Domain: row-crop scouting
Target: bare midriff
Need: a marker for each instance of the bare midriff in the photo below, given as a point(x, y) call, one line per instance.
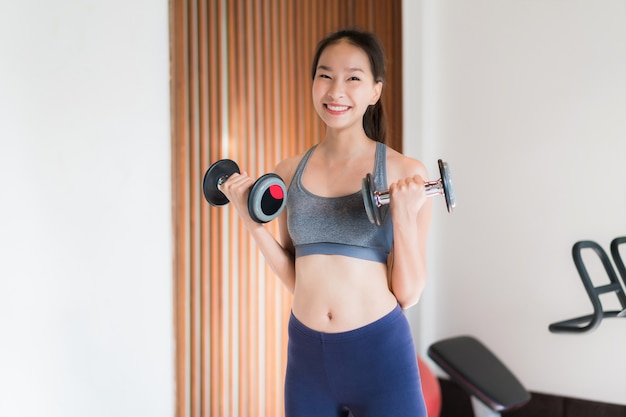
point(334, 293)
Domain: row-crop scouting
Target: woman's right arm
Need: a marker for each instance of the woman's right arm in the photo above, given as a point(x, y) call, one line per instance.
point(279, 254)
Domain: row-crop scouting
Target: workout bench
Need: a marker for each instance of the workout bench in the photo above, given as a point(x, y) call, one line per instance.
point(491, 386)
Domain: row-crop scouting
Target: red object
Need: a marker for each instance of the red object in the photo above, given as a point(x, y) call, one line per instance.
point(276, 191)
point(430, 389)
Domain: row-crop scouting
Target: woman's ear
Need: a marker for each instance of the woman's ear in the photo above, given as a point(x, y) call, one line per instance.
point(378, 89)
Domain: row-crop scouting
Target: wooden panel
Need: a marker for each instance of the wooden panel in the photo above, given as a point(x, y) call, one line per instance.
point(241, 90)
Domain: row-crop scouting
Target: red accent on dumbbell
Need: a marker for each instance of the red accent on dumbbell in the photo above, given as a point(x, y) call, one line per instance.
point(276, 192)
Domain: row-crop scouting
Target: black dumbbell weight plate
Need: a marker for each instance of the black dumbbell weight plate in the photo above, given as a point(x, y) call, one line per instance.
point(369, 200)
point(448, 190)
point(210, 185)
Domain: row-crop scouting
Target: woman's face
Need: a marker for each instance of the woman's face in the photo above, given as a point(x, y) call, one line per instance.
point(344, 86)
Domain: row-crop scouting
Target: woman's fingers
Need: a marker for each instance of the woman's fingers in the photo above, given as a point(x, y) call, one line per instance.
point(407, 196)
point(236, 189)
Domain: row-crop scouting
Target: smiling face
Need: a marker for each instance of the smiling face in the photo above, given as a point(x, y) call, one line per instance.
point(344, 86)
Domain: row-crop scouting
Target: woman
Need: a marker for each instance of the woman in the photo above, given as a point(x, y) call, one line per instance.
point(350, 347)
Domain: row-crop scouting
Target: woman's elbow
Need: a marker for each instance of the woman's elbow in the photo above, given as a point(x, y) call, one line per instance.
point(406, 302)
point(408, 299)
point(409, 296)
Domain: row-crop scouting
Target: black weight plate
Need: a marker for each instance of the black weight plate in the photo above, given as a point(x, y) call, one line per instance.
point(371, 208)
point(222, 168)
point(448, 189)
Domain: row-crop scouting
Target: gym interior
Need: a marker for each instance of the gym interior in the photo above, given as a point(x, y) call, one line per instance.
point(526, 100)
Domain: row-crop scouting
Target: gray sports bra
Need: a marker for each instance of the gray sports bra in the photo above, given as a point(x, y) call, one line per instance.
point(338, 225)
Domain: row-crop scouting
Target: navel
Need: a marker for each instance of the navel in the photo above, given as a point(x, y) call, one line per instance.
point(329, 315)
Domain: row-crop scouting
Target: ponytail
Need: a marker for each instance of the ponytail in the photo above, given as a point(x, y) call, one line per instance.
point(375, 122)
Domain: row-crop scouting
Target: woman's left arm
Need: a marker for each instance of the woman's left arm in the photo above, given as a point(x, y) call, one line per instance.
point(411, 212)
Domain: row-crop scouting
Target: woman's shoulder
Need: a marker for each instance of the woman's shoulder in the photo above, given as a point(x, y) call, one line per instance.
point(402, 166)
point(287, 167)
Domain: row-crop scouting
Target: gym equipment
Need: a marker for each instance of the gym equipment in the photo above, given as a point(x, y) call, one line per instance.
point(619, 262)
point(590, 322)
point(491, 386)
point(267, 195)
point(374, 199)
point(430, 388)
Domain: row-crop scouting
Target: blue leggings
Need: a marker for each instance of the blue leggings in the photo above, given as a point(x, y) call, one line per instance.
point(367, 372)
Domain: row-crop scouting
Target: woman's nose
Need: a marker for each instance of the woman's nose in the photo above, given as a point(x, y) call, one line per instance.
point(335, 91)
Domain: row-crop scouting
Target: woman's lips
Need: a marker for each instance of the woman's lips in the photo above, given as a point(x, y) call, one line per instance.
point(336, 108)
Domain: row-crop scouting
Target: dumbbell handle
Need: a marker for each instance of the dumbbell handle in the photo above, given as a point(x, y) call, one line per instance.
point(432, 188)
point(221, 180)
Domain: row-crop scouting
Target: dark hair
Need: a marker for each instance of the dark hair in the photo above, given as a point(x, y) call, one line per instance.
point(374, 119)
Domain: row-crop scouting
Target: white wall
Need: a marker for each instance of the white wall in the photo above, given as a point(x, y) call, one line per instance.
point(527, 102)
point(85, 218)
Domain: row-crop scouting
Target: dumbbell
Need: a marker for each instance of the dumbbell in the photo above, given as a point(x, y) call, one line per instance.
point(267, 195)
point(374, 199)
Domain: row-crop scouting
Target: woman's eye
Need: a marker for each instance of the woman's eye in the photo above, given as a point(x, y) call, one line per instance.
point(324, 76)
point(354, 79)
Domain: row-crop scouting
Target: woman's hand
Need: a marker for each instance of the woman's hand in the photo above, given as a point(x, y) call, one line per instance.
point(236, 189)
point(407, 196)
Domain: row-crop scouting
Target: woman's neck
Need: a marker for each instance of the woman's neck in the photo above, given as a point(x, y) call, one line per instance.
point(345, 144)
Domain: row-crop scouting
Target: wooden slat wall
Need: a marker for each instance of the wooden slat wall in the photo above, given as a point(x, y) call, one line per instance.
point(241, 90)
